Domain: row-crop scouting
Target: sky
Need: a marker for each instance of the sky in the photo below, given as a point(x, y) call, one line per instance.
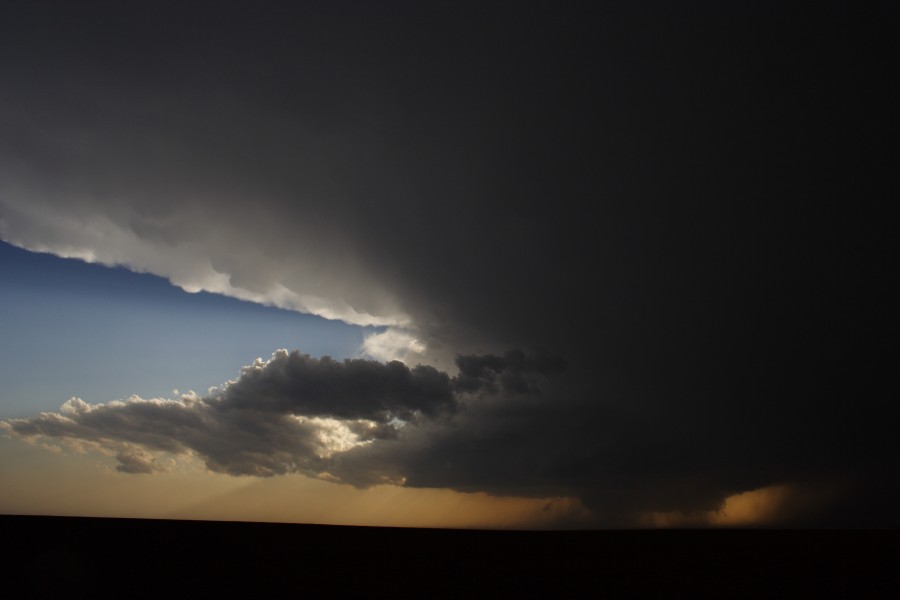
point(509, 265)
point(108, 333)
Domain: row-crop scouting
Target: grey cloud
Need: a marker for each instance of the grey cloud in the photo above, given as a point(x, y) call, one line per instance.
point(512, 371)
point(229, 441)
point(294, 383)
point(135, 462)
point(235, 442)
point(293, 413)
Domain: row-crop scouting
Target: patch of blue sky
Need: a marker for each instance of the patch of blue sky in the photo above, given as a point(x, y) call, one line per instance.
point(69, 328)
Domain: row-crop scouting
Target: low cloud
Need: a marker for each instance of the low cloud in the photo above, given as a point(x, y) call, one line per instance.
point(507, 425)
point(513, 372)
point(294, 383)
point(292, 413)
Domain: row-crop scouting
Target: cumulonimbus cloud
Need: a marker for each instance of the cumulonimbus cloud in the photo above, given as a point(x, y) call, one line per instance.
point(694, 230)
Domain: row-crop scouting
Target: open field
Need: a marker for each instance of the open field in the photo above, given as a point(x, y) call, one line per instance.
point(84, 557)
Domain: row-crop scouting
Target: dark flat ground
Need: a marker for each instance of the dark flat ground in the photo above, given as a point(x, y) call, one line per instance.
point(88, 558)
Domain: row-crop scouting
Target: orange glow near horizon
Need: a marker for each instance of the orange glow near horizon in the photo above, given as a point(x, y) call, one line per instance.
point(766, 506)
point(38, 482)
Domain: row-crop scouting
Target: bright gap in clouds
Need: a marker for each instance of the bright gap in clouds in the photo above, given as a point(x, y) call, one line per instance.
point(75, 329)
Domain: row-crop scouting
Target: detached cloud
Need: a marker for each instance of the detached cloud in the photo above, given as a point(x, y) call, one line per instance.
point(393, 344)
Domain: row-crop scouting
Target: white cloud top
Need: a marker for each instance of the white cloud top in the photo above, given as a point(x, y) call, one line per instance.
point(200, 250)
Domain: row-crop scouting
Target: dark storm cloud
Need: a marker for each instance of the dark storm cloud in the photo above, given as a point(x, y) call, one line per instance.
point(289, 414)
point(351, 389)
point(684, 206)
point(512, 371)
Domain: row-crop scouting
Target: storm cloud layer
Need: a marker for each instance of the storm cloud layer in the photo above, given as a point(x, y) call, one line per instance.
point(686, 207)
